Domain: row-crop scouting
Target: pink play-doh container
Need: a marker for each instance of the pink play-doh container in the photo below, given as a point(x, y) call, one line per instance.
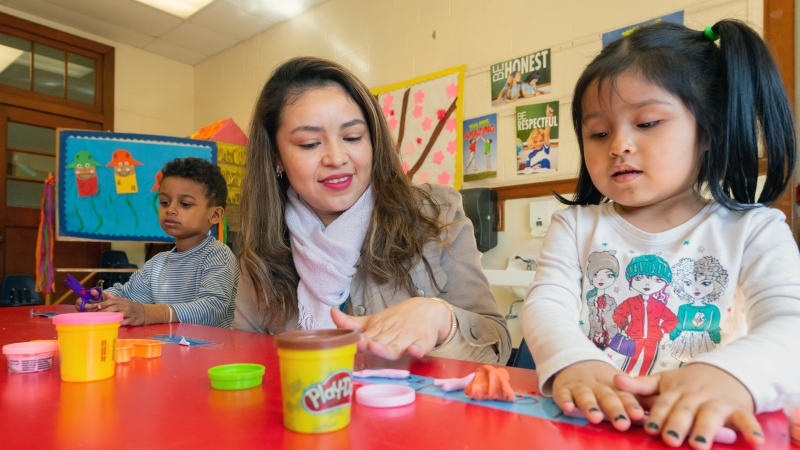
point(26, 357)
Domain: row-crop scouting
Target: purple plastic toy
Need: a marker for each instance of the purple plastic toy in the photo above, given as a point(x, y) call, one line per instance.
point(82, 292)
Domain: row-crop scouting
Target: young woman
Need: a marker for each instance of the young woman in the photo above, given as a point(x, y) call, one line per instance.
point(334, 234)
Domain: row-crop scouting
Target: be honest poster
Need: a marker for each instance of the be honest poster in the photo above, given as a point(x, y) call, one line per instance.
point(480, 148)
point(520, 78)
point(537, 138)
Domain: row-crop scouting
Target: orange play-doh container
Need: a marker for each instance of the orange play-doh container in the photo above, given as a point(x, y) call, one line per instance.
point(124, 352)
point(143, 348)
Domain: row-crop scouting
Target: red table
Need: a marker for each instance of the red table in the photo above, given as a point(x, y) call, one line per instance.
point(167, 402)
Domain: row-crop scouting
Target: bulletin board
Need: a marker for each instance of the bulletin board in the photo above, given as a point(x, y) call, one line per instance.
point(425, 115)
point(107, 183)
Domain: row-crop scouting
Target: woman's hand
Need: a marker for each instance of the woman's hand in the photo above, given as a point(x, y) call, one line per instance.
point(412, 327)
point(589, 387)
point(132, 312)
point(698, 397)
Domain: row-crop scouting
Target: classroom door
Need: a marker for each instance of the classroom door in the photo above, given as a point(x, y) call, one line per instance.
point(27, 151)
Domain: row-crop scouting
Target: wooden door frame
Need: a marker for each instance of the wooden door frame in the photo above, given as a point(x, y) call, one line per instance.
point(779, 30)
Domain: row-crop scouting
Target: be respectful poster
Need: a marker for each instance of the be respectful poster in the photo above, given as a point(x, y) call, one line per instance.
point(480, 148)
point(519, 78)
point(537, 138)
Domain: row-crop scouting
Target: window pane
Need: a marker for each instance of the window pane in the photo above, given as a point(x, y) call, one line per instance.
point(48, 70)
point(24, 193)
point(15, 61)
point(31, 137)
point(28, 165)
point(81, 73)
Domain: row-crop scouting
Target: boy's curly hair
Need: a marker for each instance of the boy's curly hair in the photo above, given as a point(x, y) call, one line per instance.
point(200, 171)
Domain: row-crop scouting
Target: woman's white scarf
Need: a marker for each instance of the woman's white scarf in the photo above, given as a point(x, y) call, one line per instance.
point(325, 257)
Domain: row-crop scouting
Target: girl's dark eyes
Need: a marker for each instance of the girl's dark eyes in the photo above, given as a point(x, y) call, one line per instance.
point(600, 135)
point(649, 124)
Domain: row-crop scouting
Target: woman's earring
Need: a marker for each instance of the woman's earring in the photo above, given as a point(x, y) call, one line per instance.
point(278, 171)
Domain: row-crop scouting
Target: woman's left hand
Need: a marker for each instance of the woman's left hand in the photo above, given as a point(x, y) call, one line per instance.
point(412, 327)
point(698, 398)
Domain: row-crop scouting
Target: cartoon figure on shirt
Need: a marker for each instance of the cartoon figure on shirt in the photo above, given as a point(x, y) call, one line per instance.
point(539, 142)
point(645, 318)
point(602, 270)
point(698, 283)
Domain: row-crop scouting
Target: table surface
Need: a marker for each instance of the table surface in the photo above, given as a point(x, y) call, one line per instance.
point(167, 402)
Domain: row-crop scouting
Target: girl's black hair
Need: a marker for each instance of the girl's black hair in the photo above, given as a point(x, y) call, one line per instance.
point(734, 92)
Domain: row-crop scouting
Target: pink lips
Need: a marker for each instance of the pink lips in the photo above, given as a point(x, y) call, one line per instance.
point(623, 173)
point(338, 182)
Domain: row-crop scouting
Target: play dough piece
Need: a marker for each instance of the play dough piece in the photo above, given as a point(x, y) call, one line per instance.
point(381, 373)
point(453, 384)
point(490, 383)
point(385, 395)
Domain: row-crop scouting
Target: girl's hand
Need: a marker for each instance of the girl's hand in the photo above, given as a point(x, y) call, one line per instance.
point(412, 327)
point(132, 312)
point(698, 397)
point(589, 386)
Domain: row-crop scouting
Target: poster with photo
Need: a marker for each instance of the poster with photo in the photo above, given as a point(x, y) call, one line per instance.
point(520, 78)
point(480, 148)
point(537, 138)
point(611, 36)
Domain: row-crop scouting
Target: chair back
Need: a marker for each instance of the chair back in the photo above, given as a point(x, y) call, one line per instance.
point(19, 290)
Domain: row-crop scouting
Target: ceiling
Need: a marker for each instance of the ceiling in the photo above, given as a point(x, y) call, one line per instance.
point(217, 27)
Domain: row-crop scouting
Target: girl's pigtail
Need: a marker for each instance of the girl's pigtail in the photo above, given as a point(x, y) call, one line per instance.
point(754, 110)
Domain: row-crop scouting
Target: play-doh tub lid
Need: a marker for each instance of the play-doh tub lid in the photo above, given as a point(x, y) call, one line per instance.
point(316, 339)
point(29, 348)
point(87, 318)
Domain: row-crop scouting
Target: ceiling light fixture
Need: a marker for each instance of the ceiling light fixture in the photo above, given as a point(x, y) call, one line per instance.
point(180, 8)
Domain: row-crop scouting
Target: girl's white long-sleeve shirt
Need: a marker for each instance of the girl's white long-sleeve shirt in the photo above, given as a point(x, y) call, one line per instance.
point(721, 289)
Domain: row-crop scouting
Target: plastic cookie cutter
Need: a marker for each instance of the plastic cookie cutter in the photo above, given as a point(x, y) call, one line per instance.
point(83, 293)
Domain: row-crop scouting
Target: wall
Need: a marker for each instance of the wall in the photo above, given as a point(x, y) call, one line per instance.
point(386, 41)
point(152, 95)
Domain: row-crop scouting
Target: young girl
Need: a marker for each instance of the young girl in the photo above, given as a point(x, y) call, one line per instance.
point(662, 115)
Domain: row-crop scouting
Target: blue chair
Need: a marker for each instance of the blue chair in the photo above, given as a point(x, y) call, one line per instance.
point(524, 359)
point(20, 290)
point(114, 259)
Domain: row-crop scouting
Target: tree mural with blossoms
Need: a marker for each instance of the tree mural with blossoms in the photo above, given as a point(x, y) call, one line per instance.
point(425, 117)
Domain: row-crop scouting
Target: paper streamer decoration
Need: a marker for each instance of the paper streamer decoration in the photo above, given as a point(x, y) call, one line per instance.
point(425, 115)
point(45, 281)
point(121, 210)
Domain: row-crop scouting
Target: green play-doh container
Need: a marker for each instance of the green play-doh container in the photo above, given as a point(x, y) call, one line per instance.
point(231, 377)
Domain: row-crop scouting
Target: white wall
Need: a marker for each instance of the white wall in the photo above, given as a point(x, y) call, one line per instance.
point(152, 95)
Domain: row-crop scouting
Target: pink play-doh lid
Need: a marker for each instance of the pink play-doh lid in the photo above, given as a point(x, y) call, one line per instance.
point(29, 348)
point(385, 395)
point(87, 318)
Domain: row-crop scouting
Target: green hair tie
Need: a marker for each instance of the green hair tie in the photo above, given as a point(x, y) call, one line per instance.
point(710, 34)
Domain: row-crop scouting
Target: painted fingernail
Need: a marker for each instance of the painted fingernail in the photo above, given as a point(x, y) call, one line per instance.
point(593, 409)
point(636, 407)
point(652, 426)
point(620, 417)
point(756, 433)
point(700, 439)
point(673, 434)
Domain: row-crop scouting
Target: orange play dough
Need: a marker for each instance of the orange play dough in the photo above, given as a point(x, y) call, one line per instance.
point(490, 383)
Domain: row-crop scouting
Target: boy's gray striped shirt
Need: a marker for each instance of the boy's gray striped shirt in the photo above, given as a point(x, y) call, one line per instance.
point(199, 284)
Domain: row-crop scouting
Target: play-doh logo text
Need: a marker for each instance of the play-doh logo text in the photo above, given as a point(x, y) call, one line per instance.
point(332, 393)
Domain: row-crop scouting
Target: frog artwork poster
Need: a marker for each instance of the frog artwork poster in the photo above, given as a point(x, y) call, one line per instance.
point(537, 138)
point(480, 148)
point(528, 76)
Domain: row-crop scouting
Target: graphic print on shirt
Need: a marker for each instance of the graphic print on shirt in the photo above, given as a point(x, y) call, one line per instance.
point(602, 270)
point(645, 318)
point(698, 330)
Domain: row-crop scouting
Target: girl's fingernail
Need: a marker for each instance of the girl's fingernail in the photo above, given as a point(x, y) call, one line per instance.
point(620, 417)
point(593, 409)
point(636, 407)
point(700, 439)
point(652, 426)
point(673, 434)
point(756, 433)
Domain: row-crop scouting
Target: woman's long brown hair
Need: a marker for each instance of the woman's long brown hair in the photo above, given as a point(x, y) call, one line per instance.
point(399, 227)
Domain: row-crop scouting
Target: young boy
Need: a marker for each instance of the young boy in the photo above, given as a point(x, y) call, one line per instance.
point(196, 281)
